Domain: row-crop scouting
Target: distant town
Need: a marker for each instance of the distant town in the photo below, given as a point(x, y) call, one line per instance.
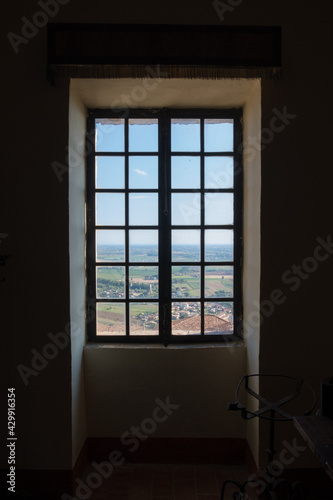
point(143, 283)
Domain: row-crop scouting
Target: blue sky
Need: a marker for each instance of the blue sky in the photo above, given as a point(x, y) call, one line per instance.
point(143, 174)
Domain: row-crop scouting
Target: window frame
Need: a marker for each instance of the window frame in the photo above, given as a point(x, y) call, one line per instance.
point(164, 226)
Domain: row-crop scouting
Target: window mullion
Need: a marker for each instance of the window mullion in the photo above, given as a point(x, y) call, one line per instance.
point(127, 307)
point(164, 227)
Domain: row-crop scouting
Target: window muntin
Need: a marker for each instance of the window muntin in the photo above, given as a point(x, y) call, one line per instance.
point(164, 226)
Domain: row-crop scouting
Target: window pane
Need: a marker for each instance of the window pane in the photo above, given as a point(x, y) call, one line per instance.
point(144, 318)
point(219, 208)
point(185, 281)
point(219, 318)
point(185, 209)
point(143, 209)
point(186, 245)
point(110, 209)
point(219, 281)
point(219, 135)
point(143, 246)
point(143, 134)
point(110, 318)
point(110, 245)
point(110, 172)
point(219, 245)
point(185, 134)
point(110, 134)
point(219, 172)
point(186, 318)
point(143, 172)
point(185, 172)
point(143, 282)
point(110, 282)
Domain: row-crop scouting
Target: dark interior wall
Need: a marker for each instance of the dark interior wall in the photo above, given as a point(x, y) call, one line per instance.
point(296, 204)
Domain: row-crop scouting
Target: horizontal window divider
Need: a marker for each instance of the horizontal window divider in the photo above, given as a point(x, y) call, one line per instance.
point(143, 227)
point(219, 299)
point(219, 263)
point(110, 190)
point(218, 190)
point(199, 301)
point(124, 190)
point(219, 226)
point(219, 153)
point(137, 190)
point(145, 264)
point(126, 153)
point(120, 263)
point(202, 190)
point(122, 228)
point(184, 190)
point(109, 153)
point(125, 300)
point(206, 226)
point(202, 153)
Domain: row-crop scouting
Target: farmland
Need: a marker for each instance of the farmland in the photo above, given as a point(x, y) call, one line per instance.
point(143, 284)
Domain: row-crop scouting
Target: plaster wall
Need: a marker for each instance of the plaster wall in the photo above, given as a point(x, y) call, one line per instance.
point(139, 375)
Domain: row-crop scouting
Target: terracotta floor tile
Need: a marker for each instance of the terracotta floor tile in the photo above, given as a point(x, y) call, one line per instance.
point(169, 482)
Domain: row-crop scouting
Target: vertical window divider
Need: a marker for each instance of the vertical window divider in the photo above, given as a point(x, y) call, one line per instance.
point(164, 226)
point(126, 166)
point(202, 224)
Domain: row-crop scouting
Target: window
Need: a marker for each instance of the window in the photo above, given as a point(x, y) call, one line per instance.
point(164, 226)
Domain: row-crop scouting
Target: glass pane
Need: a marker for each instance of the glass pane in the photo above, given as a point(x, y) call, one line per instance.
point(110, 172)
point(219, 245)
point(143, 172)
point(144, 318)
point(219, 172)
point(186, 318)
point(186, 245)
point(143, 282)
point(185, 134)
point(185, 209)
point(219, 318)
point(110, 209)
point(219, 208)
point(143, 245)
point(185, 172)
point(110, 319)
point(143, 209)
point(219, 135)
point(110, 282)
point(143, 134)
point(110, 134)
point(219, 281)
point(185, 281)
point(110, 245)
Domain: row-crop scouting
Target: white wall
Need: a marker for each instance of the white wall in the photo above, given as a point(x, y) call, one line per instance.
point(76, 162)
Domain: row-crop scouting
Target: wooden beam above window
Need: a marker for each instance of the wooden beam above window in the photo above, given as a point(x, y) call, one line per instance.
point(168, 51)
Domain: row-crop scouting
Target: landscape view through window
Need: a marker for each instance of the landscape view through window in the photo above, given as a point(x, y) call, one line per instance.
point(163, 230)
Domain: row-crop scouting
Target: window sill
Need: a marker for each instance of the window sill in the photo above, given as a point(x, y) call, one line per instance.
point(221, 345)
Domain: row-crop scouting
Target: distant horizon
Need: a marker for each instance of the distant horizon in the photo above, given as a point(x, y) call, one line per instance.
point(175, 245)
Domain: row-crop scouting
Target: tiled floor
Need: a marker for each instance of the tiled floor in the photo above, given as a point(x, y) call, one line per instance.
point(165, 482)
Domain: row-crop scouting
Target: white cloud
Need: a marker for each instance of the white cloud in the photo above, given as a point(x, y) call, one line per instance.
point(140, 172)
